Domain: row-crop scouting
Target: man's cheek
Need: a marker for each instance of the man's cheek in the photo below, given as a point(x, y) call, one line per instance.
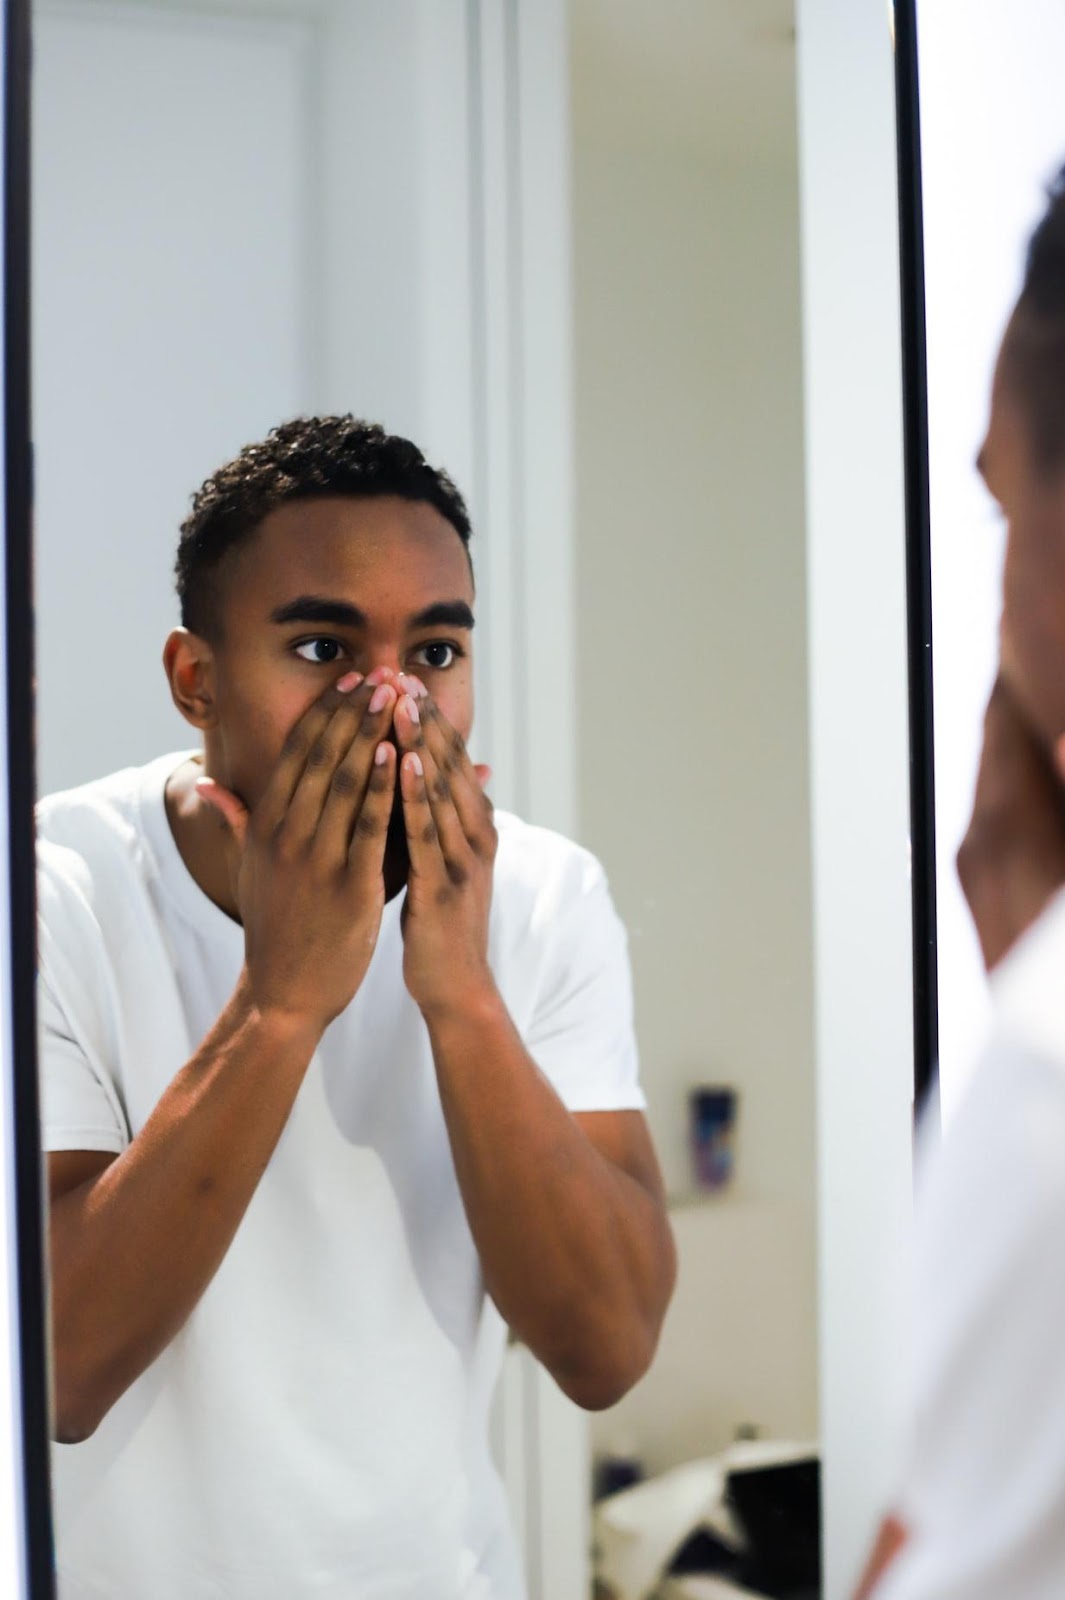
point(253, 748)
point(456, 706)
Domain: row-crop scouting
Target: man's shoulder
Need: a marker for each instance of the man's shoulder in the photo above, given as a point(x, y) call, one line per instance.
point(104, 802)
point(91, 833)
point(539, 861)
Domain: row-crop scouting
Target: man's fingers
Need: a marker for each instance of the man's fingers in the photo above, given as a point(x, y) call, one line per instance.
point(232, 811)
point(448, 751)
point(423, 844)
point(328, 781)
point(300, 740)
point(366, 854)
point(1059, 758)
point(453, 844)
point(349, 783)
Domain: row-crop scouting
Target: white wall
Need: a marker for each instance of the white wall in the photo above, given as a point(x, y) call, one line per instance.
point(368, 212)
point(170, 326)
point(992, 134)
point(693, 737)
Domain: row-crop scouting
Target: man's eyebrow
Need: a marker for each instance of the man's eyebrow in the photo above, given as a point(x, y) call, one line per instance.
point(319, 608)
point(981, 462)
point(443, 614)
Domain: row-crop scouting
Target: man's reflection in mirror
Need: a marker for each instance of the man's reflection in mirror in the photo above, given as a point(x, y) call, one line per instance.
point(980, 1510)
point(338, 1072)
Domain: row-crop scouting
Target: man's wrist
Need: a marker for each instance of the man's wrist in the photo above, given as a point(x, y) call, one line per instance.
point(476, 1003)
point(278, 1026)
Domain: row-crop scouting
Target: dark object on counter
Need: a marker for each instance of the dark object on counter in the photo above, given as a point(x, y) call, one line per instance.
point(614, 1473)
point(712, 1118)
point(778, 1511)
point(704, 1553)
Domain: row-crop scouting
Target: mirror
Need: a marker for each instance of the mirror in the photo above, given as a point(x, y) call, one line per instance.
point(243, 213)
point(980, 231)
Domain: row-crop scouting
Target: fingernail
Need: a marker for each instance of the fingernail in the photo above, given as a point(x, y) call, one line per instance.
point(380, 755)
point(414, 686)
point(379, 675)
point(349, 681)
point(411, 708)
point(380, 698)
point(416, 764)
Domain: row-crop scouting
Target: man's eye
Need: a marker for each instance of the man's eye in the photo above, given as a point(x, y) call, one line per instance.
point(438, 655)
point(320, 651)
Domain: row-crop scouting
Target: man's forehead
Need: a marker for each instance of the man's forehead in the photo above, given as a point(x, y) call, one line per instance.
point(359, 550)
point(362, 516)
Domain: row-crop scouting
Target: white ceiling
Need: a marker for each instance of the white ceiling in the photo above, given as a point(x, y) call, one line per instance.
point(706, 80)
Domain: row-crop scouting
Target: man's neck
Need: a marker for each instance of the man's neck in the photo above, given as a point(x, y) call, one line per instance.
point(202, 838)
point(206, 847)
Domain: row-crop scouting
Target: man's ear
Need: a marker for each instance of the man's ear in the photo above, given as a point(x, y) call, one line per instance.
point(189, 664)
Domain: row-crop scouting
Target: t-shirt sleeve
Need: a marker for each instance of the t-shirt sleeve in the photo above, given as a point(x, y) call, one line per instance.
point(581, 1034)
point(79, 1108)
point(984, 1482)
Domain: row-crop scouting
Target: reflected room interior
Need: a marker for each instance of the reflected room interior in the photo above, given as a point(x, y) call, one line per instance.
point(209, 259)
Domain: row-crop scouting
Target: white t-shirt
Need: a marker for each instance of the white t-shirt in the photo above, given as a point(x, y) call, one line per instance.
point(984, 1487)
point(319, 1426)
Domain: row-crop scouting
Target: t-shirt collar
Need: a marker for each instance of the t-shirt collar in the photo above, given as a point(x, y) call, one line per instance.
point(174, 878)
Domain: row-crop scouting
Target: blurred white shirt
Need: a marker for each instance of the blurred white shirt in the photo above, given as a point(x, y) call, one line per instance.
point(983, 1491)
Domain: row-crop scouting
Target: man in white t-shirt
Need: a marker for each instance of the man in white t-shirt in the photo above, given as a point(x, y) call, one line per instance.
point(981, 1511)
point(338, 1072)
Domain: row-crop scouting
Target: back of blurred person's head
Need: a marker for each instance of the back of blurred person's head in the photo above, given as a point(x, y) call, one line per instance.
point(1023, 463)
point(1034, 349)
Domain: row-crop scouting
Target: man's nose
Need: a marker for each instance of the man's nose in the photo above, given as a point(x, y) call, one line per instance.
point(405, 682)
point(383, 670)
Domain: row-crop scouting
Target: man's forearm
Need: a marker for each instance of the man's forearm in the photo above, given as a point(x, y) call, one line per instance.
point(133, 1249)
point(576, 1253)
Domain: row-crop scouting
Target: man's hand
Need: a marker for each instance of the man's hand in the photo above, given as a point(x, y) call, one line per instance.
point(890, 1541)
point(451, 839)
point(308, 861)
point(1012, 858)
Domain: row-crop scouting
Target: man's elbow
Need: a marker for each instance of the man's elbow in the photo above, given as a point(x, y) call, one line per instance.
point(73, 1420)
point(606, 1373)
point(80, 1400)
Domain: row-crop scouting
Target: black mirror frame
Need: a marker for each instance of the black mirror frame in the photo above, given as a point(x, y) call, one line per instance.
point(918, 555)
point(32, 1401)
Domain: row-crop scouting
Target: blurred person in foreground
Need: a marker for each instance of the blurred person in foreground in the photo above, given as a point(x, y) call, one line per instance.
point(339, 1076)
point(981, 1511)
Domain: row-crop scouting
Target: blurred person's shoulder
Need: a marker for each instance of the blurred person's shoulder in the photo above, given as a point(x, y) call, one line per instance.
point(992, 1180)
point(1028, 991)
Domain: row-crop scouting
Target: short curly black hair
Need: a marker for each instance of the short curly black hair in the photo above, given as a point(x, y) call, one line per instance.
point(304, 459)
point(1035, 347)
